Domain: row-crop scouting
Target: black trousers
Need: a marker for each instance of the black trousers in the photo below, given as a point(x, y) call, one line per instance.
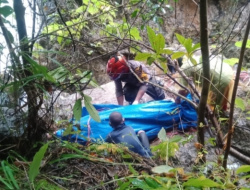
point(130, 91)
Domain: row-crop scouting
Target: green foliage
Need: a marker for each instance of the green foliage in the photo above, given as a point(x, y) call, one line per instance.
point(167, 147)
point(162, 169)
point(201, 182)
point(231, 61)
point(157, 43)
point(187, 43)
point(239, 103)
point(91, 109)
point(36, 163)
point(239, 44)
point(9, 181)
point(77, 109)
point(6, 11)
point(79, 21)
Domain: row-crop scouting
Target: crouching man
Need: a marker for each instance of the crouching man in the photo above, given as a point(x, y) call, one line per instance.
point(126, 135)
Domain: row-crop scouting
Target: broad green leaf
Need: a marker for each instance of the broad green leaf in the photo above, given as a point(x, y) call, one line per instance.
point(193, 61)
point(39, 69)
point(152, 183)
point(167, 51)
point(162, 135)
point(135, 33)
point(91, 109)
point(161, 169)
point(77, 109)
point(36, 163)
point(164, 66)
point(178, 55)
point(150, 60)
point(231, 61)
point(248, 118)
point(60, 39)
point(134, 14)
point(201, 182)
point(239, 44)
point(140, 184)
point(196, 46)
point(188, 45)
point(151, 36)
point(243, 168)
point(124, 186)
point(239, 103)
point(142, 56)
point(180, 38)
point(92, 10)
point(6, 11)
point(159, 43)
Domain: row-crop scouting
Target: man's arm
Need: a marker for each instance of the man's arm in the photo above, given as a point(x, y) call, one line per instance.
point(120, 100)
point(139, 96)
point(119, 92)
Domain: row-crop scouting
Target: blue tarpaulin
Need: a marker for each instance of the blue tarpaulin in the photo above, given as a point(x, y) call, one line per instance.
point(150, 117)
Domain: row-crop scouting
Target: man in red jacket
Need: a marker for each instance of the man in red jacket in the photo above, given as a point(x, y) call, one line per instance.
point(133, 90)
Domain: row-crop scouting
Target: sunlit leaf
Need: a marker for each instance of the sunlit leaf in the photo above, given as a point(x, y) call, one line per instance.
point(239, 44)
point(243, 168)
point(188, 45)
point(196, 46)
point(164, 66)
point(231, 61)
point(161, 169)
point(142, 56)
point(159, 43)
point(135, 33)
point(36, 163)
point(151, 36)
point(180, 38)
point(201, 182)
point(239, 103)
point(167, 51)
point(178, 55)
point(193, 61)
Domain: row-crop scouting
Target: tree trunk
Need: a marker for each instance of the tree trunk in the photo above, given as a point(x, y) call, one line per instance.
point(34, 96)
point(206, 74)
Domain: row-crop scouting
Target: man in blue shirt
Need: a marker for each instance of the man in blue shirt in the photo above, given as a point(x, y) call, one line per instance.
point(126, 135)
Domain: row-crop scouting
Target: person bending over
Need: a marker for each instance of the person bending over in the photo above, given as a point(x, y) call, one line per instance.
point(126, 135)
point(133, 90)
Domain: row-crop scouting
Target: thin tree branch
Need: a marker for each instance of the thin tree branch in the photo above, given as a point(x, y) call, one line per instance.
point(237, 78)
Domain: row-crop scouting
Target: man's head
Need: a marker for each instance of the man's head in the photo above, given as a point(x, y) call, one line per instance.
point(116, 66)
point(115, 119)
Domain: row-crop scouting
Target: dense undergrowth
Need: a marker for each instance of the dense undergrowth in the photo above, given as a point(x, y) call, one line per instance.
point(66, 165)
